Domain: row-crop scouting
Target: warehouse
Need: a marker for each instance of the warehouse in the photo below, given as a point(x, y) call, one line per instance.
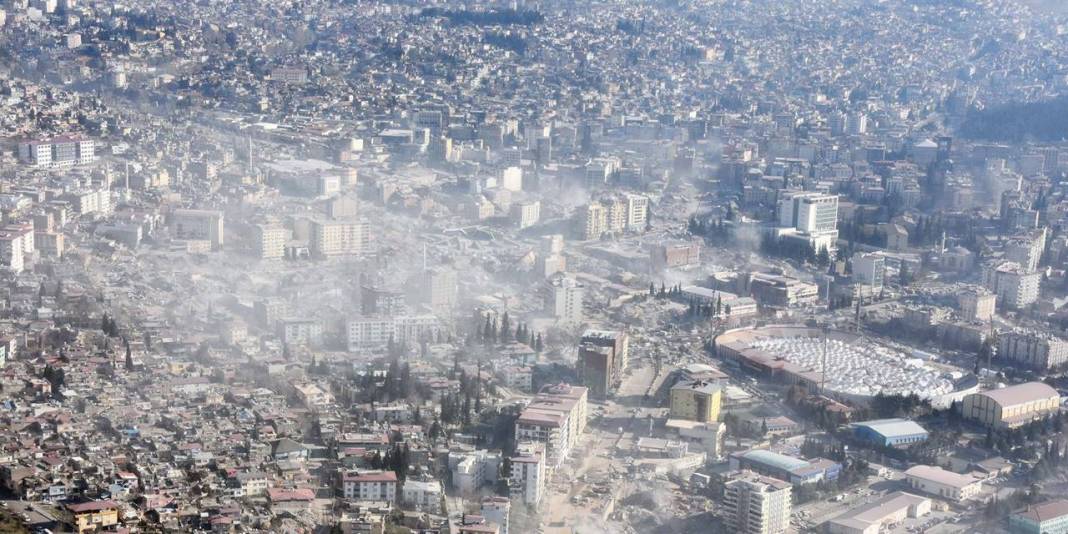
point(946, 484)
point(1013, 406)
point(890, 432)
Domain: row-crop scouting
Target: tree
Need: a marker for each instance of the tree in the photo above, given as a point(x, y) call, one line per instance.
point(129, 355)
point(506, 329)
point(538, 346)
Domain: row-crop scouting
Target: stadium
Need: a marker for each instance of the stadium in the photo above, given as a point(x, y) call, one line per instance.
point(857, 367)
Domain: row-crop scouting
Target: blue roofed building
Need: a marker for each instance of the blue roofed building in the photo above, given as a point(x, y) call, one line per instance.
point(783, 467)
point(890, 432)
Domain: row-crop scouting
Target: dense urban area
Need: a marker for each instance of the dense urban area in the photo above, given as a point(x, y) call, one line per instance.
point(534, 267)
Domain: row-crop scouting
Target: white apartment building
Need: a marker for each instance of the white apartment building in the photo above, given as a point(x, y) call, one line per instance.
point(1036, 350)
point(564, 301)
point(64, 151)
point(1015, 287)
point(755, 504)
point(375, 486)
point(526, 214)
point(977, 305)
point(297, 331)
point(368, 332)
point(473, 470)
point(340, 238)
point(423, 495)
point(869, 269)
point(270, 241)
point(526, 482)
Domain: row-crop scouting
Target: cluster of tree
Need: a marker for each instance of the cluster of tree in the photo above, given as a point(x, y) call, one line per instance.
point(109, 326)
point(398, 384)
point(998, 508)
point(629, 27)
point(665, 292)
point(715, 231)
point(456, 407)
point(493, 17)
point(853, 233)
point(1027, 441)
point(506, 41)
point(55, 376)
point(929, 230)
point(1045, 121)
point(886, 406)
point(799, 398)
point(713, 309)
point(796, 250)
point(494, 332)
point(396, 459)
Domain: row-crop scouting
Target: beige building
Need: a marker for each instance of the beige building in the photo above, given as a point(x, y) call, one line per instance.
point(1012, 406)
point(977, 305)
point(945, 484)
point(340, 238)
point(871, 518)
point(270, 241)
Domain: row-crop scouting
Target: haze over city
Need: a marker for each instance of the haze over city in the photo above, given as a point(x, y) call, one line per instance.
point(534, 267)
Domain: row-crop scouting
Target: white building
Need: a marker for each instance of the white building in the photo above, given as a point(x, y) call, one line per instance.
point(375, 486)
point(496, 510)
point(526, 214)
point(809, 217)
point(424, 496)
point(565, 300)
point(270, 241)
point(369, 332)
point(301, 331)
point(1015, 287)
point(945, 484)
point(526, 482)
point(198, 224)
point(869, 269)
point(755, 504)
point(64, 151)
point(1036, 350)
point(473, 470)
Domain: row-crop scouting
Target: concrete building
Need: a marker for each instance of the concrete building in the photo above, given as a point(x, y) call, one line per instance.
point(945, 484)
point(92, 516)
point(557, 418)
point(474, 470)
point(527, 480)
point(440, 289)
point(423, 495)
point(1050, 517)
point(206, 225)
point(977, 305)
point(270, 241)
point(1012, 406)
point(526, 214)
point(297, 331)
point(809, 217)
point(869, 269)
point(340, 238)
point(753, 504)
point(592, 221)
point(59, 152)
point(603, 356)
point(1035, 350)
point(1015, 287)
point(670, 255)
point(370, 332)
point(890, 432)
point(872, 518)
point(696, 401)
point(564, 300)
point(496, 510)
point(377, 486)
